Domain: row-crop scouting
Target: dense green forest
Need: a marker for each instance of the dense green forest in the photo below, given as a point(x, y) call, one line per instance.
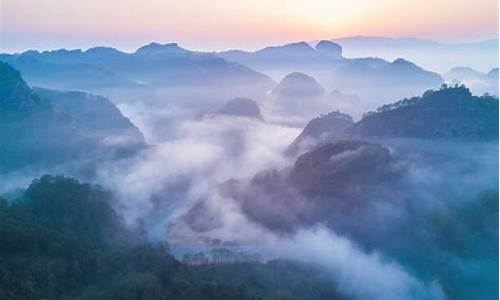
point(62, 240)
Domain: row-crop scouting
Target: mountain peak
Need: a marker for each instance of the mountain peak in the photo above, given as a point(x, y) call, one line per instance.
point(10, 79)
point(30, 53)
point(157, 48)
point(329, 48)
point(300, 85)
point(327, 127)
point(63, 51)
point(402, 61)
point(102, 51)
point(243, 107)
point(404, 65)
point(15, 94)
point(298, 76)
point(463, 73)
point(493, 73)
point(297, 47)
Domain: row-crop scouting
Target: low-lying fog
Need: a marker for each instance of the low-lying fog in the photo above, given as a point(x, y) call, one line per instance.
point(177, 189)
point(388, 218)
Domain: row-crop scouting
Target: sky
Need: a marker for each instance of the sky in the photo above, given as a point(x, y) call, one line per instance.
point(244, 24)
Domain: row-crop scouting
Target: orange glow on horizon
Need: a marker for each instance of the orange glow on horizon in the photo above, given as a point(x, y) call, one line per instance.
point(220, 24)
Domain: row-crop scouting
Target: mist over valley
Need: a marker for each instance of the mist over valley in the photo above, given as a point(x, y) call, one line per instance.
point(351, 168)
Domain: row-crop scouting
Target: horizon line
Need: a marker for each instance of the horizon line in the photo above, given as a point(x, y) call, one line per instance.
point(249, 49)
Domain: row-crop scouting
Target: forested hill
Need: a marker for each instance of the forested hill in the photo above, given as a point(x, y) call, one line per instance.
point(63, 240)
point(45, 128)
point(446, 113)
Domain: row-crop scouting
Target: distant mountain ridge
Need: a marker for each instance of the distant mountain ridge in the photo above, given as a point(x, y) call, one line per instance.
point(231, 73)
point(152, 64)
point(289, 54)
point(398, 72)
point(381, 41)
point(327, 63)
point(477, 81)
point(430, 54)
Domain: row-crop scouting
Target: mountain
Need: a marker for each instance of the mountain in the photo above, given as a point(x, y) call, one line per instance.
point(62, 69)
point(297, 98)
point(42, 128)
point(153, 64)
point(28, 123)
point(328, 127)
point(377, 81)
point(413, 202)
point(331, 169)
point(292, 54)
point(493, 73)
point(293, 50)
point(171, 64)
point(286, 54)
point(346, 102)
point(325, 57)
point(331, 179)
point(451, 112)
point(15, 95)
point(399, 73)
point(298, 85)
point(377, 42)
point(161, 50)
point(327, 63)
point(448, 113)
point(70, 230)
point(478, 82)
point(329, 50)
point(463, 73)
point(277, 61)
point(427, 53)
point(242, 107)
point(96, 113)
